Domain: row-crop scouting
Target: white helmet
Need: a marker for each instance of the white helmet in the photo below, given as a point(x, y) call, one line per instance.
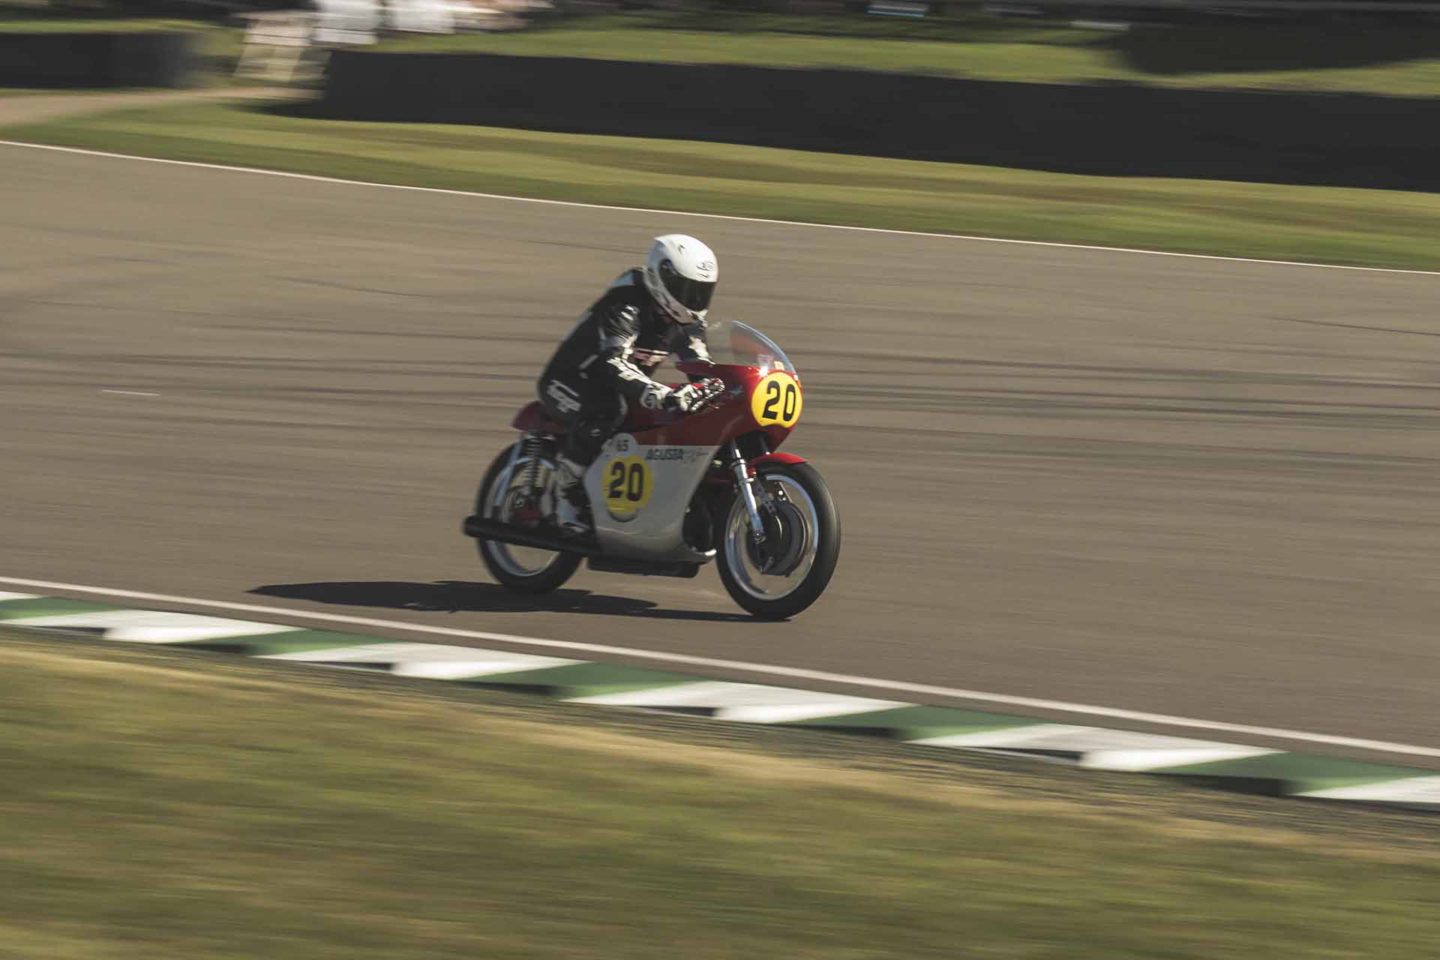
point(680, 274)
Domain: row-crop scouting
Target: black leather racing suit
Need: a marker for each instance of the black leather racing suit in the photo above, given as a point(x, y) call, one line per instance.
point(607, 362)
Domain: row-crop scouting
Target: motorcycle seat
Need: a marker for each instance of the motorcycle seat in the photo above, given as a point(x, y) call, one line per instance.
point(532, 417)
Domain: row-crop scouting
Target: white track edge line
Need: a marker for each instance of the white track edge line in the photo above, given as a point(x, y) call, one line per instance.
point(317, 178)
point(759, 669)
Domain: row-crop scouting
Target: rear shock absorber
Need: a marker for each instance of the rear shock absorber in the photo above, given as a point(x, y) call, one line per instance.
point(532, 447)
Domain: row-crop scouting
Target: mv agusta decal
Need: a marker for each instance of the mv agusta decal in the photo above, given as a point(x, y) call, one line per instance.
point(626, 481)
point(776, 401)
point(675, 454)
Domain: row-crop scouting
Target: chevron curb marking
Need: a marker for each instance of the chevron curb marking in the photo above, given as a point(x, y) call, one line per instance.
point(1232, 766)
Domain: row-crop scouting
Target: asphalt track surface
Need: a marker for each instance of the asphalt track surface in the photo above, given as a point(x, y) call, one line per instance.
point(1174, 485)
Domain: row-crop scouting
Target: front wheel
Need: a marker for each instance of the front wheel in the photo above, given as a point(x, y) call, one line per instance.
point(783, 574)
point(521, 569)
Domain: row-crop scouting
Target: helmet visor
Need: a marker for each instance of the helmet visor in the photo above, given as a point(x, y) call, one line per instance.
point(693, 294)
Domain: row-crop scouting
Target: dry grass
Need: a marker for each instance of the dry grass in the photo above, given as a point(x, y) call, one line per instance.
point(157, 804)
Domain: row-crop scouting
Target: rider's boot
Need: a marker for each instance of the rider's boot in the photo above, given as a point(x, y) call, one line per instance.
point(572, 511)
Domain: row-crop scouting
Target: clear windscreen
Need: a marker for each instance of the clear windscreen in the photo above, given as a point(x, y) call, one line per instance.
point(739, 343)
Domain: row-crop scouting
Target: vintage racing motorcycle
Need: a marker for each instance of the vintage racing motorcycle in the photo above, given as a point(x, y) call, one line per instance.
point(669, 493)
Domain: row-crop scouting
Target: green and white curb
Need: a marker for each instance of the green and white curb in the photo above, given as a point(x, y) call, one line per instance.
point(1239, 767)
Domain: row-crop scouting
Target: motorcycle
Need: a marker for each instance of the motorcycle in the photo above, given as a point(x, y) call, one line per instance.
point(669, 493)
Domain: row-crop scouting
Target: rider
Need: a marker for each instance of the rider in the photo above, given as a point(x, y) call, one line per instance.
point(647, 314)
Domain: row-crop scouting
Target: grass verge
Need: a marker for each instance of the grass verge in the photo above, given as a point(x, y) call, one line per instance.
point(163, 804)
point(1395, 59)
point(1335, 225)
point(17, 22)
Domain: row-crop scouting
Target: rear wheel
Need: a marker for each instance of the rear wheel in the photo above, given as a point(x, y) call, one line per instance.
point(786, 572)
point(502, 495)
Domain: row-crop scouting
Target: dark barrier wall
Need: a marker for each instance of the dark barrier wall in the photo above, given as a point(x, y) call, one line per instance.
point(133, 59)
point(1339, 139)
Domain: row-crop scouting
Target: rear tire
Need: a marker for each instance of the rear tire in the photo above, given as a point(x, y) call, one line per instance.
point(822, 552)
point(498, 557)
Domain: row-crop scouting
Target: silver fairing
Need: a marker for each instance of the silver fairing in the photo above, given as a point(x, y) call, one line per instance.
point(639, 494)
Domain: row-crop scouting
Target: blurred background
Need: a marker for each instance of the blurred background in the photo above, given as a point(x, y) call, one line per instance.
point(1122, 370)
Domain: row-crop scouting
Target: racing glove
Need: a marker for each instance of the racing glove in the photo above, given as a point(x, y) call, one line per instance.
point(694, 396)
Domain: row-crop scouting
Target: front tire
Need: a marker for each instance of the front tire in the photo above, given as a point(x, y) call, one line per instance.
point(791, 569)
point(520, 569)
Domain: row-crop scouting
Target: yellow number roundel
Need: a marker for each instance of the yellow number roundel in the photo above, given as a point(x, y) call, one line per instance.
point(776, 401)
point(626, 485)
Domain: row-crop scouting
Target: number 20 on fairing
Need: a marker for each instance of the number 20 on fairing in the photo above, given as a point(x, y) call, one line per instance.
point(777, 401)
point(627, 485)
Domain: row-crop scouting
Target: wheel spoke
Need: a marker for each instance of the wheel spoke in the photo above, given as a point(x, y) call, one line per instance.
point(789, 561)
point(517, 561)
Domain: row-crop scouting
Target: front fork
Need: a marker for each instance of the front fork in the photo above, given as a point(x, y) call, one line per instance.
point(746, 484)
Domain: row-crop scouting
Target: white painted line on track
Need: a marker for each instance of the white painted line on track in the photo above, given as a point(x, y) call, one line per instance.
point(432, 661)
point(1127, 750)
point(1140, 761)
point(1006, 738)
point(756, 669)
point(745, 702)
point(443, 191)
point(150, 626)
point(1415, 791)
point(131, 393)
point(1102, 749)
